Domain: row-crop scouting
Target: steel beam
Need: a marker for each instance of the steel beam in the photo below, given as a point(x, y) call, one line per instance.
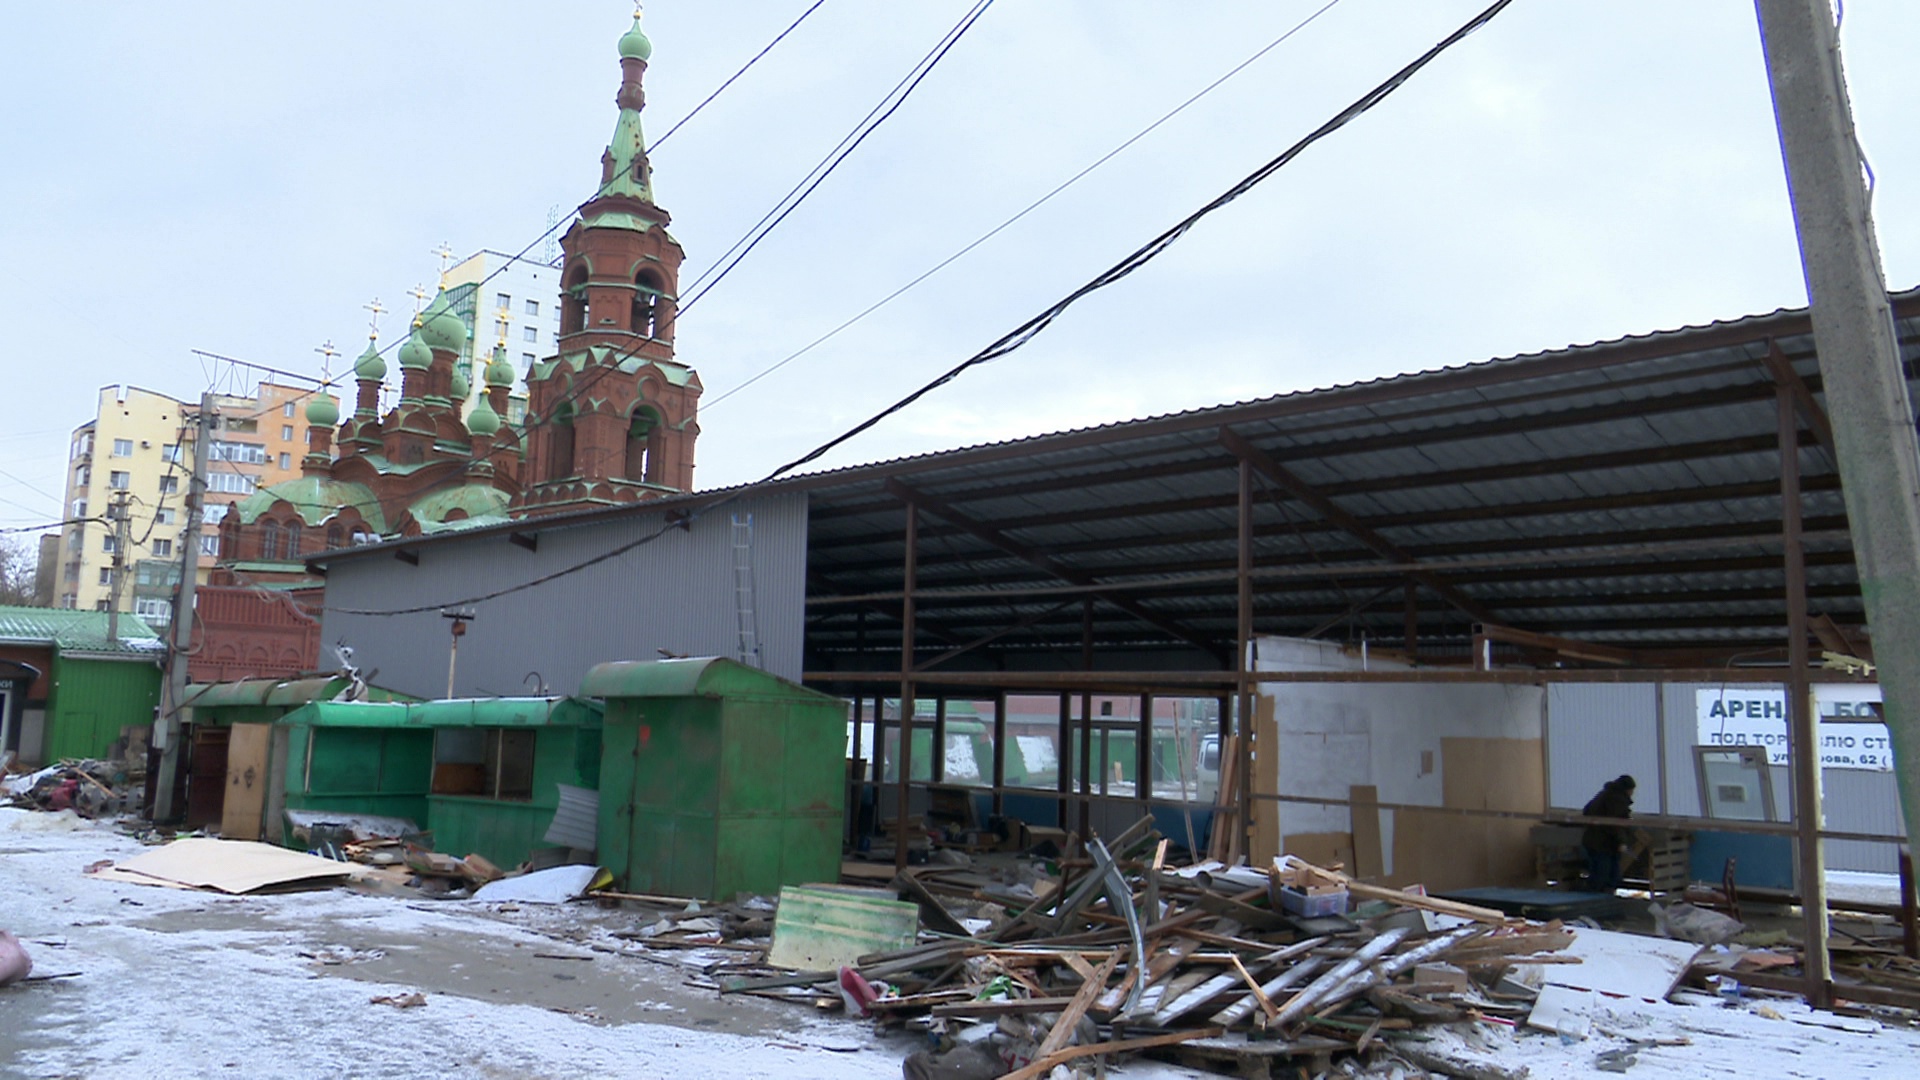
point(1353, 526)
point(1013, 547)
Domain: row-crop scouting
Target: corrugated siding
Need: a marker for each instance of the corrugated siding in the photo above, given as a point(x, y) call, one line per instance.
point(1595, 732)
point(1854, 800)
point(674, 595)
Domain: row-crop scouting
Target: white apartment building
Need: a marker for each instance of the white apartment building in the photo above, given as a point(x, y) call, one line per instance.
point(519, 307)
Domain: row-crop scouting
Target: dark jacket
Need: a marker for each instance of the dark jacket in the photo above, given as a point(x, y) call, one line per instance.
point(1614, 802)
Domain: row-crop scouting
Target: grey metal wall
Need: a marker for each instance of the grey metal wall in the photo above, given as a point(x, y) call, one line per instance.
point(1596, 731)
point(674, 594)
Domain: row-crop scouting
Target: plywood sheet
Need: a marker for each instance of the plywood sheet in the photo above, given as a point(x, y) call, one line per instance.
point(1369, 860)
point(232, 866)
point(248, 748)
point(1322, 849)
point(1456, 851)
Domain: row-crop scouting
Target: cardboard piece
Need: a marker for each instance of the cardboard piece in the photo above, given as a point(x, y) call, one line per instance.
point(824, 928)
point(233, 866)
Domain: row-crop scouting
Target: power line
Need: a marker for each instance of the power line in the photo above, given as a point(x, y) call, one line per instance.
point(1030, 208)
point(1008, 343)
point(876, 116)
point(743, 70)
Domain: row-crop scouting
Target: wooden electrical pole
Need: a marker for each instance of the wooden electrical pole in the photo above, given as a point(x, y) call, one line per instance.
point(1865, 385)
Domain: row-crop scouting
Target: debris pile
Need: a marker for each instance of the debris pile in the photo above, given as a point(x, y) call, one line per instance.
point(1225, 967)
point(91, 788)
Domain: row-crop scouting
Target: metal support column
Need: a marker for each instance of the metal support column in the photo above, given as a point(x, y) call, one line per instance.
point(908, 567)
point(1862, 376)
point(1413, 622)
point(1243, 654)
point(1804, 737)
point(1000, 754)
point(856, 776)
point(937, 764)
point(1064, 767)
point(1143, 757)
point(1086, 727)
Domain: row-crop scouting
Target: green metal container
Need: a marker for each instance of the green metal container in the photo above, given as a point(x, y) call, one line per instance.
point(390, 760)
point(718, 778)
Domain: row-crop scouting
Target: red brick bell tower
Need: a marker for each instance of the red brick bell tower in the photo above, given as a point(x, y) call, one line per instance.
point(611, 418)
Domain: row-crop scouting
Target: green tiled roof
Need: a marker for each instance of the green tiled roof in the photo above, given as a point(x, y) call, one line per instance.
point(478, 500)
point(677, 374)
point(77, 631)
point(317, 499)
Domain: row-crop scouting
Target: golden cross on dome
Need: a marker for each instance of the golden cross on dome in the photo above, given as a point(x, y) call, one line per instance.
point(419, 294)
point(445, 251)
point(373, 324)
point(327, 353)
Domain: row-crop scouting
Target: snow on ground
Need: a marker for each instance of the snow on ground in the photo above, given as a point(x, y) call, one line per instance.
point(179, 983)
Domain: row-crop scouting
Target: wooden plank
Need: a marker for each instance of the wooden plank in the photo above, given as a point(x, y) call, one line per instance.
point(1369, 858)
point(243, 813)
point(1002, 1007)
point(1063, 1028)
point(1424, 903)
point(1044, 1065)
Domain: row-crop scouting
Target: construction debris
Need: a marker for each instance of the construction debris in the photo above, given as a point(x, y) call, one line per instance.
point(1228, 967)
point(91, 788)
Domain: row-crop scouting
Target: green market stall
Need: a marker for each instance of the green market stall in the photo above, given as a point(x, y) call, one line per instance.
point(718, 778)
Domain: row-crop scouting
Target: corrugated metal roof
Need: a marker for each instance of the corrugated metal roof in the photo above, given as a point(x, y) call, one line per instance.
point(1626, 491)
point(77, 631)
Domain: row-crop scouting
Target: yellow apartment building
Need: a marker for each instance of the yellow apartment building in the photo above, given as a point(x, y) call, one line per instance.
point(141, 443)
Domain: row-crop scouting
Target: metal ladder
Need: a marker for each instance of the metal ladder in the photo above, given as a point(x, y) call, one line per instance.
point(749, 640)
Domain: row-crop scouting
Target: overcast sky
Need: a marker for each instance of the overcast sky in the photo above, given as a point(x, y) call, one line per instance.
point(241, 177)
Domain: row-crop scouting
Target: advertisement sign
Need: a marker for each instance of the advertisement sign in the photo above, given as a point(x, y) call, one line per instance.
point(1849, 729)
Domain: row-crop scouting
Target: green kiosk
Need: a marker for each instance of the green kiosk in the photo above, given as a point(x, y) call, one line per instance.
point(718, 778)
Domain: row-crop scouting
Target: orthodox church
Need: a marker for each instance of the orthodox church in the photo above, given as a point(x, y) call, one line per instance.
point(611, 416)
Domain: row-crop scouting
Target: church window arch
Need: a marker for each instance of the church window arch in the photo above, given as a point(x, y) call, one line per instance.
point(560, 440)
point(573, 301)
point(644, 435)
point(649, 304)
point(269, 539)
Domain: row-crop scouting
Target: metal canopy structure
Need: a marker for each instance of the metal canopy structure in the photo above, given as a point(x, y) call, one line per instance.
point(1623, 496)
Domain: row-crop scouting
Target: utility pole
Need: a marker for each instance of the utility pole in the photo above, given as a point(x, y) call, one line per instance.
point(117, 573)
point(166, 736)
point(1866, 387)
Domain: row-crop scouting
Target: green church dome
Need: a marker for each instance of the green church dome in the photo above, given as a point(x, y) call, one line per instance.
point(370, 365)
point(499, 372)
point(634, 44)
point(415, 354)
point(483, 420)
point(461, 385)
point(440, 327)
point(323, 410)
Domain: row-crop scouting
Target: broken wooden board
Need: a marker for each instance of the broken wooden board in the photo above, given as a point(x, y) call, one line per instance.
point(232, 866)
point(825, 928)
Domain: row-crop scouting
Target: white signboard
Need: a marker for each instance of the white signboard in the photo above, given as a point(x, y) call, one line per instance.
point(1849, 729)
